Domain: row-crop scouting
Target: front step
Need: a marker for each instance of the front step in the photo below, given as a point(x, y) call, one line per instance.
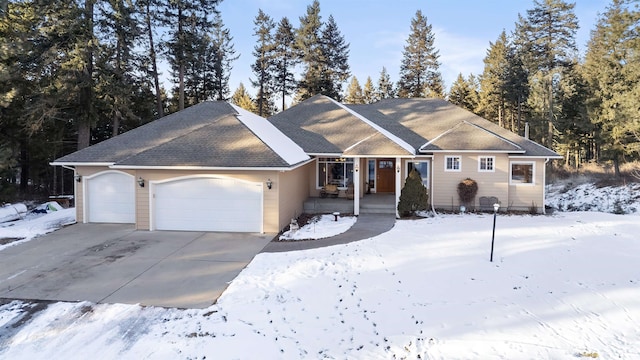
point(377, 209)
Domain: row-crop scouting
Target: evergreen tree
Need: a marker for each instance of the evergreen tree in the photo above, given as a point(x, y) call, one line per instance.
point(547, 38)
point(369, 92)
point(385, 88)
point(354, 92)
point(285, 59)
point(494, 81)
point(464, 93)
point(264, 66)
point(242, 98)
point(335, 53)
point(419, 71)
point(225, 55)
point(612, 70)
point(413, 196)
point(148, 9)
point(308, 43)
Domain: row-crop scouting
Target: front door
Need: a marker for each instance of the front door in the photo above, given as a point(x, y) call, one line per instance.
point(386, 177)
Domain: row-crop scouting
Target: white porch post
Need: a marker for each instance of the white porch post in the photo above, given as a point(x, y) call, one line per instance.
point(356, 186)
point(398, 183)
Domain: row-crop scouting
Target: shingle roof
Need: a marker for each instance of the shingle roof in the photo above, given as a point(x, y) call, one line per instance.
point(322, 126)
point(431, 119)
point(209, 134)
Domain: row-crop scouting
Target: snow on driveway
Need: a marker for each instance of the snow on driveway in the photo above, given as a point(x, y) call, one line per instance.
point(561, 287)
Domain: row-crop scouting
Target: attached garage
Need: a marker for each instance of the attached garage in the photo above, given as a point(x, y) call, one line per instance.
point(110, 198)
point(207, 204)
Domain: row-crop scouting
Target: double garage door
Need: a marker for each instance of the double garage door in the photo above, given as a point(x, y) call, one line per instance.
point(189, 204)
point(207, 204)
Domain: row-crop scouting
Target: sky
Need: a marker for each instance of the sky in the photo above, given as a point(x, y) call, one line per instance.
point(377, 30)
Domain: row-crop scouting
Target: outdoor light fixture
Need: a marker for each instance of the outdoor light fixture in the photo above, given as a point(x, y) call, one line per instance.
point(140, 182)
point(356, 167)
point(78, 177)
point(398, 168)
point(496, 207)
point(269, 184)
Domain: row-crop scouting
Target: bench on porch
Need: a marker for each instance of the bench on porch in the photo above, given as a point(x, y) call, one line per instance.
point(329, 190)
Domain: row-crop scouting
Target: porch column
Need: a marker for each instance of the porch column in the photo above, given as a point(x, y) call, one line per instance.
point(356, 186)
point(398, 183)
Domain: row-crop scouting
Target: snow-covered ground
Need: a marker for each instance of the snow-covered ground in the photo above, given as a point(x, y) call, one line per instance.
point(588, 197)
point(320, 227)
point(48, 217)
point(563, 286)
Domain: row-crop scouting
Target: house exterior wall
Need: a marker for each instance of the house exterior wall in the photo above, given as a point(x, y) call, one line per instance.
point(522, 197)
point(292, 192)
point(444, 190)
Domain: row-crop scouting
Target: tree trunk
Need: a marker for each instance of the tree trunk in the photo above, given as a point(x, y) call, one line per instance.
point(86, 82)
point(616, 165)
point(154, 62)
point(24, 167)
point(181, 61)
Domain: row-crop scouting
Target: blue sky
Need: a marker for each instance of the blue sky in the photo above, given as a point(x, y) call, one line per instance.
point(377, 30)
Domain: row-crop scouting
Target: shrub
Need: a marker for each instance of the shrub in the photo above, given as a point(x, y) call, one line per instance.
point(467, 190)
point(413, 196)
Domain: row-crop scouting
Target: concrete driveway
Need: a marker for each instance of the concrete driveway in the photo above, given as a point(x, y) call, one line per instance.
point(113, 263)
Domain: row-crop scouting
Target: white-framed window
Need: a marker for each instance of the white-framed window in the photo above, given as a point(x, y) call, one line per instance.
point(337, 171)
point(423, 169)
point(487, 163)
point(452, 163)
point(522, 172)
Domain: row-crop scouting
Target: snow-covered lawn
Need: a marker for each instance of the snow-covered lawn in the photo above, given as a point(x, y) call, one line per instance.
point(560, 287)
point(320, 227)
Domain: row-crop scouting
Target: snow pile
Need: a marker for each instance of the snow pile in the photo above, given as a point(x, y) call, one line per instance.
point(320, 227)
point(588, 197)
point(11, 212)
point(43, 219)
point(560, 287)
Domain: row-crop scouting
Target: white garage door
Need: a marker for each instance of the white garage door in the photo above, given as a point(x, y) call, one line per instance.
point(208, 204)
point(111, 198)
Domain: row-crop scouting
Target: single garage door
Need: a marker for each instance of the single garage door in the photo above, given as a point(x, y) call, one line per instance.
point(208, 204)
point(111, 198)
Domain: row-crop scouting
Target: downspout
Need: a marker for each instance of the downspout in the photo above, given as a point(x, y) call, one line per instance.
point(433, 209)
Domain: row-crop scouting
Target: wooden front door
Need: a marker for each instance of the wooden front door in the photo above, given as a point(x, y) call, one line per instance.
point(386, 177)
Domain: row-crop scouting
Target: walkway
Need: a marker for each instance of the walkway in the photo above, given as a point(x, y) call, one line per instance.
point(367, 226)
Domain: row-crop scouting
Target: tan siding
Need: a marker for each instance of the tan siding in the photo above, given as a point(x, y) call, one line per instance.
point(523, 196)
point(293, 191)
point(444, 188)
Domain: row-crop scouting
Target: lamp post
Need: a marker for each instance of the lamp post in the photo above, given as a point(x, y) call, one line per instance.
point(496, 207)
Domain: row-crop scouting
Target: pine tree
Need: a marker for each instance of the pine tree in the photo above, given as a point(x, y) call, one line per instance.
point(369, 92)
point(413, 196)
point(354, 92)
point(612, 70)
point(225, 55)
point(336, 56)
point(285, 59)
point(464, 93)
point(547, 38)
point(264, 66)
point(149, 9)
point(385, 88)
point(419, 71)
point(242, 98)
point(308, 42)
point(494, 81)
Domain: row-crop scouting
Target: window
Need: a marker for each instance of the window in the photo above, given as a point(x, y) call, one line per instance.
point(452, 163)
point(423, 169)
point(337, 171)
point(522, 172)
point(372, 175)
point(486, 163)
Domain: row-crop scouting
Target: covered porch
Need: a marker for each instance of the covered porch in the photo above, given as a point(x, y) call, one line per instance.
point(369, 204)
